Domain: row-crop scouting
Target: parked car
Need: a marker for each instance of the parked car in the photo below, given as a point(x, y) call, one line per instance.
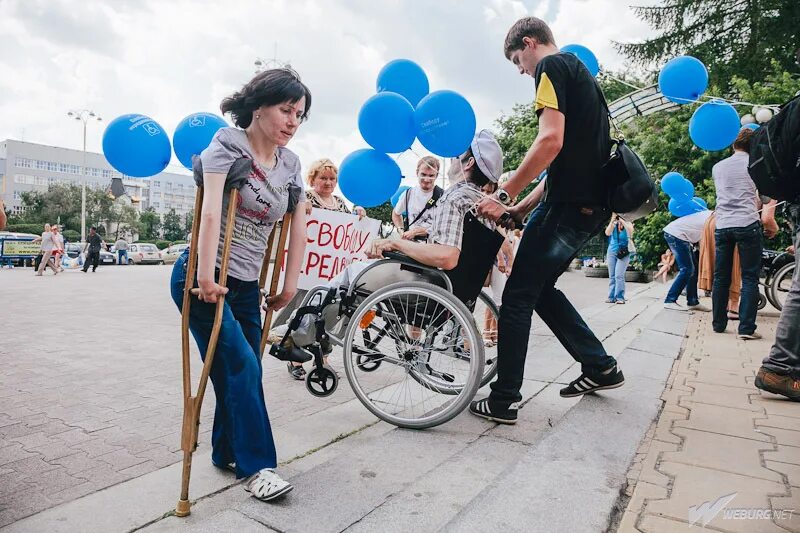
point(170, 254)
point(74, 249)
point(143, 254)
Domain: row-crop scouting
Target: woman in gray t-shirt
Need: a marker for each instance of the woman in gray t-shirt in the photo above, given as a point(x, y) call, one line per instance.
point(253, 156)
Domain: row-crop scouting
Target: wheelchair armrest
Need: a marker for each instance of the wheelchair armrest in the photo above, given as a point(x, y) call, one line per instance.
point(406, 260)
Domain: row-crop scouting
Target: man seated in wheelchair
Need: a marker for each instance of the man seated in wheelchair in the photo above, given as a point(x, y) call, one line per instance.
point(459, 246)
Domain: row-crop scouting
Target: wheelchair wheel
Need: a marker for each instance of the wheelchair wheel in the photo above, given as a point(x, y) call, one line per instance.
point(430, 353)
point(321, 381)
point(762, 302)
point(486, 316)
point(485, 308)
point(780, 286)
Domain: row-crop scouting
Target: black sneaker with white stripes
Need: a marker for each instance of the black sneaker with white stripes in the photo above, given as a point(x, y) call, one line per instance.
point(609, 379)
point(491, 411)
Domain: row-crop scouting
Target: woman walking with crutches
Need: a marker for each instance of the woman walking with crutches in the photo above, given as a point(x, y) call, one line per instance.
point(253, 159)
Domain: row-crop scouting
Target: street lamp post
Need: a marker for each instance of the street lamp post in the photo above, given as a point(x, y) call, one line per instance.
point(84, 115)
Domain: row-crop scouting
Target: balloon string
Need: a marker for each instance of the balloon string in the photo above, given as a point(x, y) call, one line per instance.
point(431, 167)
point(774, 107)
point(771, 206)
point(690, 101)
point(623, 82)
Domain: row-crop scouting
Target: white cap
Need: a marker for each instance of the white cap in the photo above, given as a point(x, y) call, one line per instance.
point(488, 155)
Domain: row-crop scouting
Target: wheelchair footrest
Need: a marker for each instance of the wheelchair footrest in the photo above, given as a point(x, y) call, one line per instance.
point(293, 354)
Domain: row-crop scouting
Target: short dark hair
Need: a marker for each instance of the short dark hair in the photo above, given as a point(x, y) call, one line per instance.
point(742, 141)
point(532, 27)
point(476, 175)
point(270, 87)
point(93, 228)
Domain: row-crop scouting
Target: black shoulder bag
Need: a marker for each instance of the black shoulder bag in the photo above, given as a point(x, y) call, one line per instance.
point(632, 193)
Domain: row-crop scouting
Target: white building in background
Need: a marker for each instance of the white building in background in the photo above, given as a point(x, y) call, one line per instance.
point(26, 166)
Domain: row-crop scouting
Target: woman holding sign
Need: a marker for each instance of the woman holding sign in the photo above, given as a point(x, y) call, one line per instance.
point(322, 178)
point(253, 157)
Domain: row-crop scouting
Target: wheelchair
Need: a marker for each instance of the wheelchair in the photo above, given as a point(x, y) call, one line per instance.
point(410, 334)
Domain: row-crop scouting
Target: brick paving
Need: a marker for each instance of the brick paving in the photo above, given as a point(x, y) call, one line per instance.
point(718, 436)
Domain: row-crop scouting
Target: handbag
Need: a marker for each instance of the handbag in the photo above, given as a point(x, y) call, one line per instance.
point(622, 253)
point(632, 193)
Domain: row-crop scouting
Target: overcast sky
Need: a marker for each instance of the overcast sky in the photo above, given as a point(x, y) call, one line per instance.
point(169, 58)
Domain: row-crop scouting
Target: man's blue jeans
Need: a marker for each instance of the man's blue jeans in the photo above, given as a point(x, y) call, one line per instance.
point(242, 432)
point(120, 255)
point(552, 238)
point(749, 241)
point(687, 271)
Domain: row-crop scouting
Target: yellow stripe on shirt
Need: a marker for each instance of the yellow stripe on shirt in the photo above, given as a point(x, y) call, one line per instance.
point(545, 94)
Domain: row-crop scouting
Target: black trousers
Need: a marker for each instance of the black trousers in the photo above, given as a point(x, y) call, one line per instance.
point(92, 258)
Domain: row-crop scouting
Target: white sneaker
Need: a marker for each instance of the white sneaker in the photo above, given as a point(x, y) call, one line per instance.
point(267, 485)
point(749, 337)
point(675, 306)
point(699, 307)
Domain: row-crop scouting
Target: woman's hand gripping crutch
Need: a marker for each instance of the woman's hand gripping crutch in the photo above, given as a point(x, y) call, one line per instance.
point(211, 292)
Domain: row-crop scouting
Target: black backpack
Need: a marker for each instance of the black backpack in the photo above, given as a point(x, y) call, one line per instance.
point(775, 154)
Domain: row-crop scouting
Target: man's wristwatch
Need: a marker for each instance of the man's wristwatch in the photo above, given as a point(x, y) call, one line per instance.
point(503, 196)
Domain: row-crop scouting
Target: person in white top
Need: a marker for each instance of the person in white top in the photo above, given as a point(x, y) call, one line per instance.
point(58, 247)
point(738, 227)
point(48, 245)
point(681, 234)
point(416, 204)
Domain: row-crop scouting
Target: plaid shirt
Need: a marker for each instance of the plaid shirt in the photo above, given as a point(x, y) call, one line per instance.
point(446, 224)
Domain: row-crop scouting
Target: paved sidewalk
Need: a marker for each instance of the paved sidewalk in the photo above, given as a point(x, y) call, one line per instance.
point(722, 454)
point(90, 392)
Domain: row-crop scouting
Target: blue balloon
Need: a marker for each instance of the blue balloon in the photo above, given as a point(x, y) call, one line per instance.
point(753, 127)
point(368, 177)
point(700, 204)
point(194, 134)
point(671, 183)
point(445, 123)
point(683, 79)
point(586, 56)
point(136, 146)
point(396, 196)
point(404, 77)
point(681, 209)
point(714, 125)
point(386, 121)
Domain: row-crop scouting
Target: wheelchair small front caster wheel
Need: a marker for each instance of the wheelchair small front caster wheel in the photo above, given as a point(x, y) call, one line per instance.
point(322, 381)
point(367, 363)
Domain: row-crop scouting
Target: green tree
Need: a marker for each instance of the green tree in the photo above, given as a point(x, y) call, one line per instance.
point(383, 213)
point(732, 37)
point(126, 220)
point(149, 224)
point(187, 223)
point(59, 202)
point(664, 145)
point(173, 230)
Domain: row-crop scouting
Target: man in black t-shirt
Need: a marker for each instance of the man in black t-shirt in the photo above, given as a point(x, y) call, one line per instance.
point(572, 144)
point(93, 242)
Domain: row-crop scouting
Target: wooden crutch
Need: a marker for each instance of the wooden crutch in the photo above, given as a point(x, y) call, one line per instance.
point(193, 404)
point(276, 272)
